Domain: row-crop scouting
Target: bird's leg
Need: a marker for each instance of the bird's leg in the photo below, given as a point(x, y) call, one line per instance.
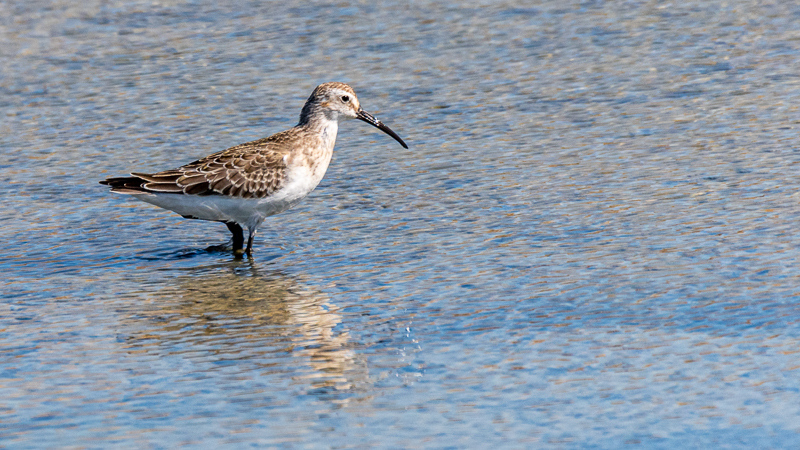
point(249, 250)
point(238, 236)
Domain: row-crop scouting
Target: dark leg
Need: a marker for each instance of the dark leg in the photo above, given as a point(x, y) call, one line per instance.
point(238, 235)
point(249, 250)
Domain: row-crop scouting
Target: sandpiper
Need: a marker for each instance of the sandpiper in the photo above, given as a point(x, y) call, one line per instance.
point(245, 184)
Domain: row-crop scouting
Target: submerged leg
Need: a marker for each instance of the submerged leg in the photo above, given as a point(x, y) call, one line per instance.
point(238, 236)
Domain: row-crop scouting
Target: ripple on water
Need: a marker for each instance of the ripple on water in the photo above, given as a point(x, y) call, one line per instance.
point(590, 241)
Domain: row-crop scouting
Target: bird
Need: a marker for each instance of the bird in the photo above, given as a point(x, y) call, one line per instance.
point(243, 185)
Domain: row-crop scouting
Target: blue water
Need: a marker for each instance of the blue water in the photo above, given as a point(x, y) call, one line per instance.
point(590, 244)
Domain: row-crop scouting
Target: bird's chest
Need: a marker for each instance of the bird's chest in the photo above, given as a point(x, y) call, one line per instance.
point(313, 165)
point(305, 172)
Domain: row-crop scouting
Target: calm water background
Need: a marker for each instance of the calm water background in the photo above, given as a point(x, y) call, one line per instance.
point(591, 243)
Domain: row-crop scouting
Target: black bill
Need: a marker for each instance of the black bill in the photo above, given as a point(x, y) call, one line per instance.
point(370, 119)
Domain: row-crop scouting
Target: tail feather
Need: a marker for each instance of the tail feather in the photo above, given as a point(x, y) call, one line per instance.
point(126, 185)
point(161, 177)
point(138, 183)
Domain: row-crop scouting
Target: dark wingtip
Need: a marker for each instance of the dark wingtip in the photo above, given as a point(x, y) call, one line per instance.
point(127, 183)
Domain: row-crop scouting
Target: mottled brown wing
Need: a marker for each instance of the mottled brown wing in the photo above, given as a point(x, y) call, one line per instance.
point(251, 170)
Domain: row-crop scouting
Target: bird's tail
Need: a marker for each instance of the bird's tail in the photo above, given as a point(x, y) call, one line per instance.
point(125, 185)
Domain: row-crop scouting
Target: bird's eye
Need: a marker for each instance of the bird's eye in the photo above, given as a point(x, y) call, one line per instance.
point(345, 98)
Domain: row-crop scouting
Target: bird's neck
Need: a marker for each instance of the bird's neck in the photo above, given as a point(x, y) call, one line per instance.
point(321, 125)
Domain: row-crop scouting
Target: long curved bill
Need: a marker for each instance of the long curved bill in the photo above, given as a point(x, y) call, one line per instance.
point(370, 119)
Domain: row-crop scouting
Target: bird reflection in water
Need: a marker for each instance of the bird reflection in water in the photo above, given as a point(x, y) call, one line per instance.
point(235, 315)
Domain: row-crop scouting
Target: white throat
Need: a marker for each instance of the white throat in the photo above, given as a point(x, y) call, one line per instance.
point(328, 131)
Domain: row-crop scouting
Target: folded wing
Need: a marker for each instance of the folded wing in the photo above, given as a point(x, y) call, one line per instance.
point(251, 170)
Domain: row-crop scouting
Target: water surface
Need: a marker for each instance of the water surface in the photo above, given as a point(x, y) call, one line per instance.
point(591, 242)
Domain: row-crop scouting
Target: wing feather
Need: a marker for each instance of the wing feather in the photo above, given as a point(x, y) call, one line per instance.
point(253, 169)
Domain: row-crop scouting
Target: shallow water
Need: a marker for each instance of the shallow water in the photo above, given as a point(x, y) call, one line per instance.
point(591, 242)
